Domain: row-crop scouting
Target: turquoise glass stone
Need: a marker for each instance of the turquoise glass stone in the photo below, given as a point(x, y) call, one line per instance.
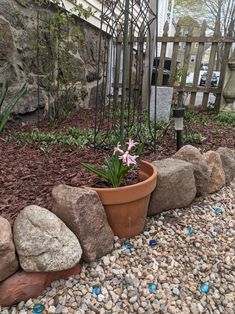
point(189, 230)
point(152, 287)
point(218, 210)
point(96, 290)
point(128, 245)
point(38, 308)
point(204, 288)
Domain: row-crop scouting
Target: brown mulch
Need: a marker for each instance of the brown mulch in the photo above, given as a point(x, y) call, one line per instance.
point(27, 175)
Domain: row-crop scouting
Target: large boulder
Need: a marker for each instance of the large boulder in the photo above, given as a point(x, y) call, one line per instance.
point(175, 187)
point(83, 213)
point(8, 260)
point(43, 242)
point(201, 170)
point(227, 156)
point(217, 178)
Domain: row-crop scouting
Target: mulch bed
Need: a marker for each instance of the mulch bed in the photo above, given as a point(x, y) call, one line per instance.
point(27, 175)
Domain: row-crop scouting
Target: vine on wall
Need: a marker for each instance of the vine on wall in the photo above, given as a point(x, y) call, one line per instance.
point(60, 70)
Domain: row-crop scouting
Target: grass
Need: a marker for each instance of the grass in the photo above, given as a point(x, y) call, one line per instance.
point(226, 118)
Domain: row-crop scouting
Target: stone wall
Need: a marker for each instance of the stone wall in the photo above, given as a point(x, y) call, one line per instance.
point(19, 49)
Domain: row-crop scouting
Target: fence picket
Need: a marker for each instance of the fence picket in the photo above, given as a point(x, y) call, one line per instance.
point(174, 56)
point(198, 64)
point(211, 65)
point(159, 73)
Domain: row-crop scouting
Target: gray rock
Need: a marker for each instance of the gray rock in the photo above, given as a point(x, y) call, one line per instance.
point(201, 170)
point(217, 177)
point(43, 242)
point(6, 41)
point(227, 156)
point(83, 213)
point(29, 102)
point(8, 260)
point(175, 186)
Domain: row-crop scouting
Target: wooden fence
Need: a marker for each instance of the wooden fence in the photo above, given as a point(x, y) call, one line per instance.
point(217, 43)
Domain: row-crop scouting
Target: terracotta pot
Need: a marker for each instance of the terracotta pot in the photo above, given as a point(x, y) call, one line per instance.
point(126, 207)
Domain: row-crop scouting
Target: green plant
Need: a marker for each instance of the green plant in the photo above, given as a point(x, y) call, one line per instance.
point(179, 79)
point(117, 166)
point(193, 137)
point(227, 118)
point(191, 116)
point(46, 149)
point(6, 107)
point(75, 138)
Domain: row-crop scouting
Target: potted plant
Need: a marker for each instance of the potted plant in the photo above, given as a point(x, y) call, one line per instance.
point(126, 206)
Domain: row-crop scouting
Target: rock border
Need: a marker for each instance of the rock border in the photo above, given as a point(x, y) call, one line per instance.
point(220, 165)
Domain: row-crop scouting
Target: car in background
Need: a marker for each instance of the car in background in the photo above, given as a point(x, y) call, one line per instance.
point(214, 79)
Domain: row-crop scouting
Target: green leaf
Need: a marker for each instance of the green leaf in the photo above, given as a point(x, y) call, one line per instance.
point(4, 91)
point(96, 171)
point(4, 115)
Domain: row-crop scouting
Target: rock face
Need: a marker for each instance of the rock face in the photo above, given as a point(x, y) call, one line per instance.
point(43, 242)
point(83, 213)
point(227, 156)
point(217, 177)
point(18, 57)
point(175, 187)
point(8, 260)
point(201, 170)
point(23, 286)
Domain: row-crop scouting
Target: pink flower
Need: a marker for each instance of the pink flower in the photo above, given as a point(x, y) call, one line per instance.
point(124, 157)
point(131, 160)
point(128, 159)
point(131, 144)
point(118, 149)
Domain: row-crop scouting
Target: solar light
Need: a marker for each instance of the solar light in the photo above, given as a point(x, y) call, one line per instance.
point(178, 114)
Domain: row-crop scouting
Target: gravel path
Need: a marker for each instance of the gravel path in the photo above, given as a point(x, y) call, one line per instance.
point(178, 265)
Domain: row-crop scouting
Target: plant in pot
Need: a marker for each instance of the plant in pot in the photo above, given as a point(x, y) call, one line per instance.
point(126, 206)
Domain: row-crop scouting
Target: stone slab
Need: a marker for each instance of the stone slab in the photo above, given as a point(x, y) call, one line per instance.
point(163, 105)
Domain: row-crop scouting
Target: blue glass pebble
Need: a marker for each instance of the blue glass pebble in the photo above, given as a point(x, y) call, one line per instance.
point(152, 243)
point(128, 245)
point(218, 210)
point(38, 308)
point(189, 230)
point(204, 288)
point(152, 287)
point(96, 290)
